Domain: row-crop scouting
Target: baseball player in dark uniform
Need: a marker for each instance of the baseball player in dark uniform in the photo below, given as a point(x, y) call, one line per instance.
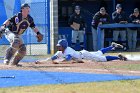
point(132, 32)
point(13, 28)
point(119, 16)
point(77, 23)
point(101, 17)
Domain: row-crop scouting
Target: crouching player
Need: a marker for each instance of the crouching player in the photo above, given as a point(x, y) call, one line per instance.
point(69, 55)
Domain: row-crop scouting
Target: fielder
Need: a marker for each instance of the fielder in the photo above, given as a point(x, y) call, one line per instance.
point(13, 28)
point(70, 54)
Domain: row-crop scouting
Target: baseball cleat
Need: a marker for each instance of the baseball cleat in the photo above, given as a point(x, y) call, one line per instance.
point(122, 57)
point(116, 45)
point(6, 61)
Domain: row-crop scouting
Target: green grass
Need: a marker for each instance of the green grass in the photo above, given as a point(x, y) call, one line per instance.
point(126, 86)
point(128, 67)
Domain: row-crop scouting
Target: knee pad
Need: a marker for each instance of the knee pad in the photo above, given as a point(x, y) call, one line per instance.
point(16, 43)
point(19, 55)
point(22, 49)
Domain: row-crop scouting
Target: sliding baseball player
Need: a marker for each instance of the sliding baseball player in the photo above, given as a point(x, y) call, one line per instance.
point(68, 54)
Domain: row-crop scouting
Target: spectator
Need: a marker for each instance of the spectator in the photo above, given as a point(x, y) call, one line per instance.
point(77, 23)
point(101, 17)
point(132, 32)
point(119, 17)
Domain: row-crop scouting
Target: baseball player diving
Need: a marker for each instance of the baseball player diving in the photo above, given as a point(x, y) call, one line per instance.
point(69, 54)
point(13, 28)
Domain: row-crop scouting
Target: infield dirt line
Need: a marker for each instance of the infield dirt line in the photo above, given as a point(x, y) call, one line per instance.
point(102, 70)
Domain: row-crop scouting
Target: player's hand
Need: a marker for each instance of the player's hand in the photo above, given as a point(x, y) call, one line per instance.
point(37, 62)
point(39, 37)
point(2, 29)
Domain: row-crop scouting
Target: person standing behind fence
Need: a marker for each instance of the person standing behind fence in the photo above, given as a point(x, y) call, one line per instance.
point(99, 18)
point(13, 28)
point(77, 23)
point(119, 17)
point(132, 32)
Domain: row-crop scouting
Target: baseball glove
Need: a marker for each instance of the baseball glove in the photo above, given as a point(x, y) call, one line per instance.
point(75, 26)
point(39, 37)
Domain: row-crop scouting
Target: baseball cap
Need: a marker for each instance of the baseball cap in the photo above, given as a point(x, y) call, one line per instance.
point(118, 6)
point(136, 10)
point(63, 43)
point(102, 9)
point(25, 5)
point(77, 7)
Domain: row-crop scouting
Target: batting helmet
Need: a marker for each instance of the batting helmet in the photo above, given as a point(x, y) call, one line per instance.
point(25, 5)
point(63, 43)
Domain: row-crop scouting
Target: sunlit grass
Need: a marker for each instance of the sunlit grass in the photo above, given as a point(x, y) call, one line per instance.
point(125, 86)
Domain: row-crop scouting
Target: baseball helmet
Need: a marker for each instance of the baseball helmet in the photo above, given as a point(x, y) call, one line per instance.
point(25, 5)
point(63, 43)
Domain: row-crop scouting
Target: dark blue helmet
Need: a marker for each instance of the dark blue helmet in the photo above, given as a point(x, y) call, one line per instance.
point(63, 43)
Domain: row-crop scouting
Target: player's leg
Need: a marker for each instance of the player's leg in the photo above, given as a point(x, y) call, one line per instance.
point(134, 39)
point(113, 45)
point(74, 38)
point(102, 39)
point(119, 57)
point(9, 54)
point(110, 58)
point(81, 38)
point(10, 51)
point(19, 55)
point(129, 37)
point(94, 36)
point(115, 35)
point(123, 39)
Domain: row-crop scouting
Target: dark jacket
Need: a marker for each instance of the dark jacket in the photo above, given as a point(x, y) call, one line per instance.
point(98, 17)
point(117, 18)
point(132, 19)
point(77, 19)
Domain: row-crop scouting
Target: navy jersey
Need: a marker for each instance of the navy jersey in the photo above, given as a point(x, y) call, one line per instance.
point(18, 24)
point(98, 17)
point(77, 19)
point(133, 19)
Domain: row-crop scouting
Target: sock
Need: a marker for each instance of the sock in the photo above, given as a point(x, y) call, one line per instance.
point(104, 50)
point(109, 58)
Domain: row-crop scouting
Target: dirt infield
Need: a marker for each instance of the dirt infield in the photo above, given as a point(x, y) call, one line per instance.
point(112, 67)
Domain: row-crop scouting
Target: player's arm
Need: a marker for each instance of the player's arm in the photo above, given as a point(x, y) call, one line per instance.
point(5, 24)
point(38, 34)
point(51, 59)
point(2, 28)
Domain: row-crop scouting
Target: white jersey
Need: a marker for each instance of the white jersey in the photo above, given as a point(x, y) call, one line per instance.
point(68, 51)
point(96, 56)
